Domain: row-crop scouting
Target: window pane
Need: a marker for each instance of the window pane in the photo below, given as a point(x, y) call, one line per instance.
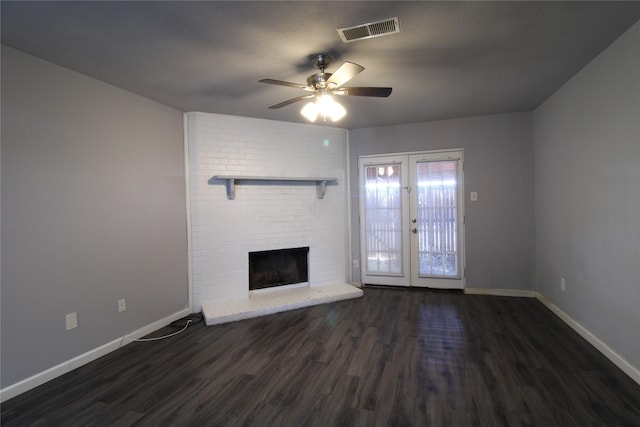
point(437, 226)
point(383, 221)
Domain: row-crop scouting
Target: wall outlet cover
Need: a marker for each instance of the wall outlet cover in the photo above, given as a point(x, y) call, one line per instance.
point(71, 321)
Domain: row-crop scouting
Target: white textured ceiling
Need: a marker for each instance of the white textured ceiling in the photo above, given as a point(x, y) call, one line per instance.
point(451, 59)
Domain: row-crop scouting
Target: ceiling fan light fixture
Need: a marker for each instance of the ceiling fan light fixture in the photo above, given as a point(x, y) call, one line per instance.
point(324, 106)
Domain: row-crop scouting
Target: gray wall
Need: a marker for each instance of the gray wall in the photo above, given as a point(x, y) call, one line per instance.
point(93, 210)
point(498, 157)
point(587, 180)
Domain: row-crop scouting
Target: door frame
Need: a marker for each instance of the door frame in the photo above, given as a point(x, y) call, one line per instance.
point(441, 282)
point(407, 276)
point(389, 279)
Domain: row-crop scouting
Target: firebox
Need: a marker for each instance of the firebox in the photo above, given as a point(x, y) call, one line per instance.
point(278, 267)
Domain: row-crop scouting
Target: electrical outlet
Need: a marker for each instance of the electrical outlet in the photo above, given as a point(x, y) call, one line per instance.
point(563, 284)
point(474, 196)
point(71, 320)
point(122, 305)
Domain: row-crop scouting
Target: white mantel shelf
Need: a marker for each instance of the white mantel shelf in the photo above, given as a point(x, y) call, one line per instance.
point(231, 180)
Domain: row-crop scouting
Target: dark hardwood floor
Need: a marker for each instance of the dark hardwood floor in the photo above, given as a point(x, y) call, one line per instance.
point(392, 358)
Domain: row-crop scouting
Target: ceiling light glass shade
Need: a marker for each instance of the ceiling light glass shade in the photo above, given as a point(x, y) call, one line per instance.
point(310, 111)
point(324, 106)
point(337, 111)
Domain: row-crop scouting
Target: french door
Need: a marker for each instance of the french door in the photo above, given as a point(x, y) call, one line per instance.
point(411, 219)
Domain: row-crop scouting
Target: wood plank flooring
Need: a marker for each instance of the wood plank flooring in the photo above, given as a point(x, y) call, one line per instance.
point(395, 357)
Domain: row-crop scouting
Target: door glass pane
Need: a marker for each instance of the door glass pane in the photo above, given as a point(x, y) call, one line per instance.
point(383, 219)
point(436, 218)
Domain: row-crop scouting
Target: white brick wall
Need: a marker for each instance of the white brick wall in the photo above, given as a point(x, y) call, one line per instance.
point(263, 216)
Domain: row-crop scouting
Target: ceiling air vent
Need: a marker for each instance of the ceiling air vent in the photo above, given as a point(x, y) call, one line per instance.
point(372, 29)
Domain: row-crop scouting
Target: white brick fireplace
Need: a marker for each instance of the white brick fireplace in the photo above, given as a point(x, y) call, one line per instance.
point(264, 215)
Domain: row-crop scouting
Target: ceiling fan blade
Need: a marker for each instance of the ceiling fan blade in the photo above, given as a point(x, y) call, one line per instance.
point(283, 83)
point(291, 101)
point(381, 92)
point(344, 73)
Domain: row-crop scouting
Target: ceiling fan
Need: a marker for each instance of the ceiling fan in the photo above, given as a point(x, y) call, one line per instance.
point(322, 85)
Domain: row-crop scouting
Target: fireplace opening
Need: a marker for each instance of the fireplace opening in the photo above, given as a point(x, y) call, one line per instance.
point(278, 267)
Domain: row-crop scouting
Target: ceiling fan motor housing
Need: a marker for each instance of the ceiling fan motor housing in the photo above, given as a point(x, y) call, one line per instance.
point(318, 81)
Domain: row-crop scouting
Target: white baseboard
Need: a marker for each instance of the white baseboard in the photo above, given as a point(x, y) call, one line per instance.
point(501, 292)
point(603, 348)
point(71, 364)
